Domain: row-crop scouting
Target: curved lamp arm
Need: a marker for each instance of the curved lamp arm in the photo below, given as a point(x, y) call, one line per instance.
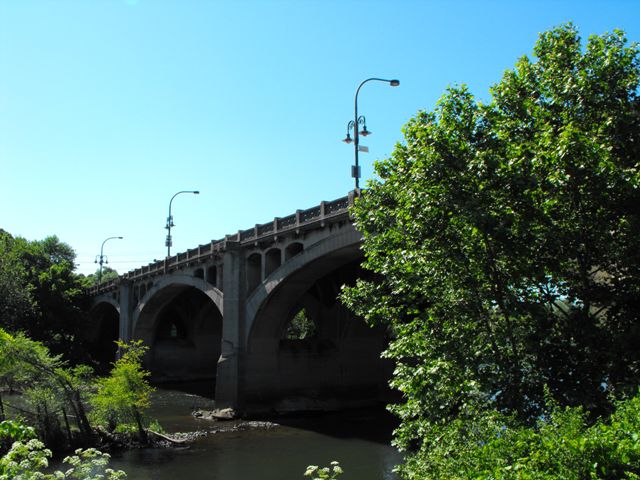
point(356, 136)
point(170, 219)
point(102, 255)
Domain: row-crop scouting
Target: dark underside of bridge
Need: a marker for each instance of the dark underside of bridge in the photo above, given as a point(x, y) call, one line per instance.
point(101, 339)
point(335, 363)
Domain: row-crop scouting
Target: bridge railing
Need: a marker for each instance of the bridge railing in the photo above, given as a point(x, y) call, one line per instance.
point(302, 218)
point(296, 220)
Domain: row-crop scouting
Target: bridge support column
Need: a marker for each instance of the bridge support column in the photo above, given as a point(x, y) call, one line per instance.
point(228, 378)
point(125, 311)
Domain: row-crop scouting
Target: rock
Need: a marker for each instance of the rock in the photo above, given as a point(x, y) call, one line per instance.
point(224, 414)
point(217, 414)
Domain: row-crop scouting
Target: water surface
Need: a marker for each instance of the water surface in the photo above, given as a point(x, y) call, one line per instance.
point(359, 440)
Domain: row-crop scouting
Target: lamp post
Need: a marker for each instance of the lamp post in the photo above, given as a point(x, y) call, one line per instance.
point(102, 259)
point(353, 124)
point(170, 224)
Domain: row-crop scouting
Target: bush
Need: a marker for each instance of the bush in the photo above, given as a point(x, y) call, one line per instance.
point(562, 445)
point(13, 431)
point(324, 473)
point(122, 397)
point(29, 460)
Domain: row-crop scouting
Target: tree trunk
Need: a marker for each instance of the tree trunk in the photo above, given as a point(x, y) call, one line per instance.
point(68, 427)
point(81, 416)
point(141, 430)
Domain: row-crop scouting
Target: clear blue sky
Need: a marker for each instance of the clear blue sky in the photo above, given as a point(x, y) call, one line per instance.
point(109, 107)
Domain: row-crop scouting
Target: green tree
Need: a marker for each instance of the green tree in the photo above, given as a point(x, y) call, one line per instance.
point(53, 390)
point(300, 327)
point(564, 444)
point(124, 395)
point(44, 297)
point(16, 300)
point(504, 236)
point(108, 273)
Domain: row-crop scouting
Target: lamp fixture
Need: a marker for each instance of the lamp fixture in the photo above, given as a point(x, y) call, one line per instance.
point(360, 120)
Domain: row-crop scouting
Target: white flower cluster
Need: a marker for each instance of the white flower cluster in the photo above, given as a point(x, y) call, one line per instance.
point(324, 473)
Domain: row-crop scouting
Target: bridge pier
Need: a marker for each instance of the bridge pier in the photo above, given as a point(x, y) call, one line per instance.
point(126, 311)
point(232, 350)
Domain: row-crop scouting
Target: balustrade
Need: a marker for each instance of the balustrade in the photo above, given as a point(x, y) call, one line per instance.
point(276, 226)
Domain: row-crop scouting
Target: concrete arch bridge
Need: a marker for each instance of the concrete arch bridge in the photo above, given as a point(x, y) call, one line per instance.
point(224, 313)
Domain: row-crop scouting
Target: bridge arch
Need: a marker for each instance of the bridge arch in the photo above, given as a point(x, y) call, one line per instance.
point(180, 319)
point(341, 363)
point(108, 299)
point(168, 281)
point(104, 331)
point(324, 256)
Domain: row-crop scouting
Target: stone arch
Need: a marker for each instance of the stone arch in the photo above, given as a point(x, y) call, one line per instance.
point(169, 281)
point(338, 367)
point(103, 333)
point(180, 319)
point(105, 299)
point(326, 254)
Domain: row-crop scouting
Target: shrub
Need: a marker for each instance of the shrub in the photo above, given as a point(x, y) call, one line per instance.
point(563, 445)
point(13, 431)
point(29, 460)
point(324, 473)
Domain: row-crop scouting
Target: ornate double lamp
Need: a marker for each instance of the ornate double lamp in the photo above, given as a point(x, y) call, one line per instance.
point(364, 132)
point(354, 125)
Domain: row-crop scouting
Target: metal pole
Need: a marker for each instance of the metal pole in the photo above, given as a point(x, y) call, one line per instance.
point(356, 134)
point(170, 219)
point(102, 256)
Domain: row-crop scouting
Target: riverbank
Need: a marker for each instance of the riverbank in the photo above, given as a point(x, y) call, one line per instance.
point(272, 448)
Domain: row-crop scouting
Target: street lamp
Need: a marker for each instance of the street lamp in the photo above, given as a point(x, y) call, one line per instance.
point(170, 224)
point(353, 125)
point(102, 258)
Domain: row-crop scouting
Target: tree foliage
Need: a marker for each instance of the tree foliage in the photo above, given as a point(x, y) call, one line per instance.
point(42, 296)
point(65, 404)
point(505, 239)
point(563, 445)
point(301, 327)
point(53, 390)
point(14, 431)
point(30, 460)
point(16, 301)
point(107, 274)
point(124, 395)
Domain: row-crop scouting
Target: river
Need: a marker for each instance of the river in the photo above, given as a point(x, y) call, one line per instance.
point(359, 440)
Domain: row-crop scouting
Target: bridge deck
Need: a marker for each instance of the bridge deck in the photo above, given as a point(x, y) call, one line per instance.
point(301, 219)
